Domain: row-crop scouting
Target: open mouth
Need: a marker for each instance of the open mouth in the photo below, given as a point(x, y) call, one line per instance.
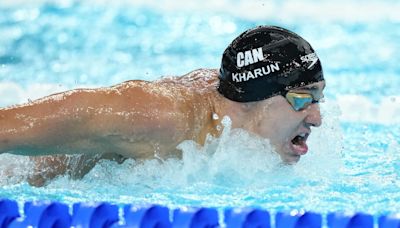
point(299, 145)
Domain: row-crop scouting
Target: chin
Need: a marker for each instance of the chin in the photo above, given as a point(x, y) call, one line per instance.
point(290, 159)
point(288, 156)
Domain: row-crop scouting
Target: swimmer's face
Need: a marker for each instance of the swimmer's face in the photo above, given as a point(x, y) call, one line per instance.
point(286, 128)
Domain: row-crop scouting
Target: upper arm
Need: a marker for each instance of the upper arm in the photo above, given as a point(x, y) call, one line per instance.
point(46, 168)
point(130, 108)
point(127, 119)
point(138, 118)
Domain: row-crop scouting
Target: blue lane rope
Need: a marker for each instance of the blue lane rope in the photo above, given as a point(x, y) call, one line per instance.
point(44, 214)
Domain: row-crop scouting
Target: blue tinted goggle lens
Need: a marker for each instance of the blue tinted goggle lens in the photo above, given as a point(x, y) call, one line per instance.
point(299, 101)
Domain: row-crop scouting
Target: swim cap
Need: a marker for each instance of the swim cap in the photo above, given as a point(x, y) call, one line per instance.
point(266, 61)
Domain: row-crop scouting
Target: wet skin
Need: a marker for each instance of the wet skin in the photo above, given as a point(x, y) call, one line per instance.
point(280, 123)
point(143, 120)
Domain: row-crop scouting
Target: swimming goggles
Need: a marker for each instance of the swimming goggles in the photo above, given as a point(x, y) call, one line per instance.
point(300, 101)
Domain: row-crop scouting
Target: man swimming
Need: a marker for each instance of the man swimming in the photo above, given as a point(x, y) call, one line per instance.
point(269, 83)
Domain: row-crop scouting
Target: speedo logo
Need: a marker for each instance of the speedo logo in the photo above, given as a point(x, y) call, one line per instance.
point(311, 58)
point(249, 57)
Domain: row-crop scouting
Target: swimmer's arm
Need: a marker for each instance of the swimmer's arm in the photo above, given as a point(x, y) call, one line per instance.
point(46, 168)
point(49, 125)
point(88, 121)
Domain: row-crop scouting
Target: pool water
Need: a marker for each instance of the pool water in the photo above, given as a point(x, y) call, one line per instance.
point(354, 158)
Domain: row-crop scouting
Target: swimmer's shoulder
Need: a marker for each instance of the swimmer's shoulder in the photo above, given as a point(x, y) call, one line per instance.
point(202, 74)
point(198, 75)
point(172, 87)
point(194, 79)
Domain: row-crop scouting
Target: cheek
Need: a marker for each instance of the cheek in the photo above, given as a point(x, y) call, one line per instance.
point(281, 126)
point(272, 126)
point(277, 120)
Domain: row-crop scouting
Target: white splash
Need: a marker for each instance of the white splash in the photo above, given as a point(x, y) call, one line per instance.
point(236, 159)
point(324, 159)
point(14, 169)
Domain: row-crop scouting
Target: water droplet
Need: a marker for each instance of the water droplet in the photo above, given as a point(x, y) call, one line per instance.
point(215, 116)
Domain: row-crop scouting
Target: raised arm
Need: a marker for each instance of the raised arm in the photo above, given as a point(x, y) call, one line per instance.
point(90, 121)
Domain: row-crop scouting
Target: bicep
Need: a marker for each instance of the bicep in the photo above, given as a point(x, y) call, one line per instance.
point(141, 122)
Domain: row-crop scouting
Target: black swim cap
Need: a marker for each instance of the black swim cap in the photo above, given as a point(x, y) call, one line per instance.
point(266, 61)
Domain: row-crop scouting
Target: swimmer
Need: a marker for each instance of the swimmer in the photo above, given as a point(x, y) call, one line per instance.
point(269, 83)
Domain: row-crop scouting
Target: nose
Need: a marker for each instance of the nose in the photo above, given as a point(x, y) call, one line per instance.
point(313, 117)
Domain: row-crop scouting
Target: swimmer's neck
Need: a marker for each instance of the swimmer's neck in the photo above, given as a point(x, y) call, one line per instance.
point(210, 107)
point(241, 114)
point(220, 107)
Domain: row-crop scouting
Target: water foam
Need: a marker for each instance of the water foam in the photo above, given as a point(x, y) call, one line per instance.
point(14, 169)
point(326, 145)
